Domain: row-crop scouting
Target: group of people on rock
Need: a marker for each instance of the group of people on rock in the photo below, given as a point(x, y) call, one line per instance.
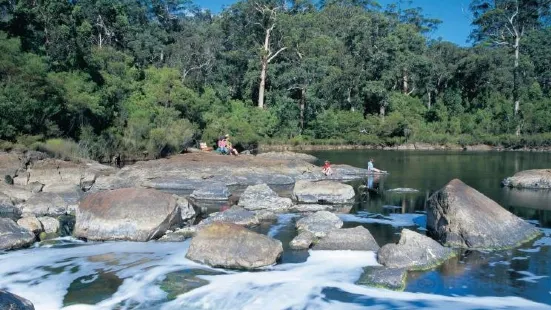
point(225, 146)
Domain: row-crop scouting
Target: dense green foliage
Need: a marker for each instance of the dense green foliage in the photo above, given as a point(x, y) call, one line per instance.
point(152, 77)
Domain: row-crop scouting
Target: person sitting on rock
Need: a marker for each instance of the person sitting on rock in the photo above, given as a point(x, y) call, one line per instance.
point(222, 146)
point(327, 170)
point(372, 169)
point(231, 149)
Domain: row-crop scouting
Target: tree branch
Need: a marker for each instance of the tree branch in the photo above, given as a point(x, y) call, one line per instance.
point(276, 53)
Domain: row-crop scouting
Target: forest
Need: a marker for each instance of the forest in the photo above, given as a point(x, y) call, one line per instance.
point(95, 78)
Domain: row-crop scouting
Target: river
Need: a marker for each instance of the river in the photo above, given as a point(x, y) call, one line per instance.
point(70, 274)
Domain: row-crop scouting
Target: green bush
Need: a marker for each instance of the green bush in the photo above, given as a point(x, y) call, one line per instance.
point(61, 148)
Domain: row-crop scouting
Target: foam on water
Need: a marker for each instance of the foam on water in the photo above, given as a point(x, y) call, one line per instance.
point(394, 219)
point(142, 266)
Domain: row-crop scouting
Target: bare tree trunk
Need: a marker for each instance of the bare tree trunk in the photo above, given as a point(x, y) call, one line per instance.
point(405, 85)
point(302, 108)
point(382, 111)
point(262, 85)
point(429, 101)
point(516, 81)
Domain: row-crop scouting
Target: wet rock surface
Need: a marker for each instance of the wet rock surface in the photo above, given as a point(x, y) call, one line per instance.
point(383, 277)
point(289, 156)
point(235, 215)
point(413, 252)
point(214, 191)
point(229, 245)
point(353, 239)
point(323, 191)
point(262, 197)
point(302, 241)
point(460, 216)
point(530, 179)
point(9, 301)
point(130, 214)
point(319, 223)
point(13, 236)
point(32, 224)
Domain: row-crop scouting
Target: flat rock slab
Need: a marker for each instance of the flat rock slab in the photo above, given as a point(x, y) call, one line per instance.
point(235, 215)
point(323, 191)
point(302, 241)
point(319, 223)
point(413, 252)
point(9, 301)
point(288, 156)
point(532, 179)
point(460, 216)
point(352, 239)
point(383, 277)
point(130, 214)
point(311, 208)
point(403, 190)
point(262, 197)
point(45, 204)
point(214, 191)
point(229, 245)
point(13, 236)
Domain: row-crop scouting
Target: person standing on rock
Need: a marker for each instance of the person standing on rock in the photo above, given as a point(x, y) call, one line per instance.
point(372, 169)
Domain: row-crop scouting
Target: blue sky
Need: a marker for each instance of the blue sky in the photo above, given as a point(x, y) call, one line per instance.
point(454, 14)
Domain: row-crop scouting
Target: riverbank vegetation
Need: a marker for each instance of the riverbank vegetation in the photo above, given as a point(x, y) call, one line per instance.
point(146, 78)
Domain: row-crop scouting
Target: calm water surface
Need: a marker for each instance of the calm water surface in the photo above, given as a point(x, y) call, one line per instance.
point(70, 274)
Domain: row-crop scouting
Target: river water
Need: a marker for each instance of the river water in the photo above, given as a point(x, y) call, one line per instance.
point(70, 274)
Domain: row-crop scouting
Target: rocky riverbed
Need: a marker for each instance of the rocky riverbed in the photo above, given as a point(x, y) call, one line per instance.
point(160, 199)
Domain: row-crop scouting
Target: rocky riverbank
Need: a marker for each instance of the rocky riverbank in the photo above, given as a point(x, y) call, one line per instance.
point(417, 146)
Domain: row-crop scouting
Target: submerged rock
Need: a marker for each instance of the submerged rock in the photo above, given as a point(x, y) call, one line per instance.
point(403, 190)
point(9, 301)
point(533, 179)
point(302, 241)
point(215, 191)
point(179, 234)
point(31, 223)
point(353, 239)
point(289, 156)
point(323, 191)
point(460, 216)
point(183, 281)
point(130, 214)
point(413, 252)
point(383, 277)
point(13, 236)
point(262, 197)
point(319, 223)
point(235, 215)
point(229, 245)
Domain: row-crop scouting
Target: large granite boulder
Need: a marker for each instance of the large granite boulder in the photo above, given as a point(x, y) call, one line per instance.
point(9, 301)
point(413, 252)
point(46, 204)
point(130, 214)
point(17, 194)
point(353, 239)
point(13, 236)
point(534, 179)
point(235, 215)
point(229, 245)
point(288, 156)
point(319, 223)
point(214, 191)
point(31, 223)
point(323, 191)
point(460, 216)
point(9, 164)
point(383, 277)
point(262, 197)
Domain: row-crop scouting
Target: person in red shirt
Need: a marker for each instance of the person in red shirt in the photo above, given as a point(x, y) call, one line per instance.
point(327, 168)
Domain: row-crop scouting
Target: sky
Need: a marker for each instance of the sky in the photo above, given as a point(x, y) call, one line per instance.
point(454, 14)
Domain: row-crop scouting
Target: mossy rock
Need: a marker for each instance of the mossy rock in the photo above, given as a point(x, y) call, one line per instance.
point(183, 281)
point(382, 277)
